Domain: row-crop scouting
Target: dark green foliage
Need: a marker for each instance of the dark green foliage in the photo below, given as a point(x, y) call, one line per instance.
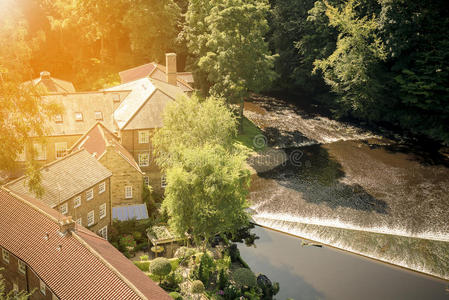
point(172, 281)
point(222, 279)
point(197, 287)
point(205, 269)
point(127, 241)
point(160, 267)
point(175, 295)
point(142, 265)
point(244, 277)
point(231, 292)
point(234, 252)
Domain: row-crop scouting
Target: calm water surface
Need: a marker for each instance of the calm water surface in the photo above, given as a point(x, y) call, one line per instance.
point(308, 272)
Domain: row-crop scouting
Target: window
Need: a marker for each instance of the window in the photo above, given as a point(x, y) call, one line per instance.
point(21, 266)
point(21, 156)
point(102, 187)
point(103, 232)
point(79, 221)
point(98, 115)
point(144, 159)
point(40, 152)
point(144, 137)
point(5, 255)
point(163, 181)
point(42, 287)
point(90, 194)
point(90, 218)
point(146, 180)
point(58, 118)
point(77, 201)
point(78, 116)
point(64, 209)
point(116, 97)
point(102, 210)
point(128, 192)
point(60, 149)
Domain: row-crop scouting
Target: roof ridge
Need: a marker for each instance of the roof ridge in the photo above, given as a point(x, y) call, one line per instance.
point(129, 162)
point(133, 68)
point(140, 107)
point(83, 136)
point(109, 265)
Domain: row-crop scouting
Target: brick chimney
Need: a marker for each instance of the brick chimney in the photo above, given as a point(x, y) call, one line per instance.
point(45, 75)
point(66, 225)
point(170, 68)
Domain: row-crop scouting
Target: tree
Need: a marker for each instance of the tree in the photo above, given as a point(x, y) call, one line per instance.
point(193, 122)
point(225, 39)
point(206, 192)
point(160, 267)
point(350, 70)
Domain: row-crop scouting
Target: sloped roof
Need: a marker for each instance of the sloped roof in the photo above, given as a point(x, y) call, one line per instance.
point(146, 70)
point(51, 84)
point(142, 91)
point(64, 178)
point(86, 103)
point(98, 139)
point(80, 265)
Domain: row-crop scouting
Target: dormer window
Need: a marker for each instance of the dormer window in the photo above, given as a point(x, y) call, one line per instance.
point(116, 97)
point(79, 116)
point(58, 118)
point(98, 115)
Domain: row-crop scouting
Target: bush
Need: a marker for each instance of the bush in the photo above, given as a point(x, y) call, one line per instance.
point(137, 236)
point(175, 295)
point(172, 281)
point(231, 292)
point(222, 279)
point(244, 277)
point(160, 267)
point(234, 253)
point(127, 241)
point(197, 287)
point(144, 257)
point(205, 269)
point(142, 265)
point(184, 252)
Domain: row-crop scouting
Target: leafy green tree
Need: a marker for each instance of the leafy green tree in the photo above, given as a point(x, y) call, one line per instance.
point(350, 70)
point(160, 267)
point(225, 39)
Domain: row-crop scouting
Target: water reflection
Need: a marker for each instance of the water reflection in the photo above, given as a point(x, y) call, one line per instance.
point(323, 273)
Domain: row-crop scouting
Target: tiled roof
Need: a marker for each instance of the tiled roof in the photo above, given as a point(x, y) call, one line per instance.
point(96, 141)
point(86, 103)
point(52, 85)
point(142, 92)
point(64, 178)
point(80, 265)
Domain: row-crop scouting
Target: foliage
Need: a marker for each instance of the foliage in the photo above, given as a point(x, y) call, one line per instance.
point(229, 55)
point(142, 265)
point(205, 269)
point(172, 281)
point(244, 277)
point(21, 295)
point(222, 279)
point(144, 257)
point(234, 252)
point(160, 267)
point(231, 292)
point(175, 295)
point(127, 243)
point(247, 135)
point(197, 287)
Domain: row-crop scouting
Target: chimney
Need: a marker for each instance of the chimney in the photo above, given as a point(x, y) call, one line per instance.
point(66, 225)
point(45, 75)
point(170, 68)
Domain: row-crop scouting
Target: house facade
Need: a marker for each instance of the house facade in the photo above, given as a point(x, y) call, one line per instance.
point(77, 186)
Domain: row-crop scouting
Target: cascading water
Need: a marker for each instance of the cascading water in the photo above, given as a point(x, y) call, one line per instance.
point(346, 187)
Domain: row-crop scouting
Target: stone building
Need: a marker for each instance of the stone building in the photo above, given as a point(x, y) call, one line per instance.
point(77, 186)
point(45, 251)
point(127, 178)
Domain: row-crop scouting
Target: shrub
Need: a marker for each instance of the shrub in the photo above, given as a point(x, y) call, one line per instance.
point(127, 241)
point(222, 279)
point(142, 265)
point(197, 287)
point(160, 267)
point(244, 277)
point(205, 269)
point(172, 281)
point(137, 235)
point(175, 295)
point(234, 252)
point(231, 292)
point(184, 252)
point(144, 257)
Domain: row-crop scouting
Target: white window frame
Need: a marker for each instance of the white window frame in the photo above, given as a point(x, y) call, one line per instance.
point(21, 266)
point(89, 194)
point(64, 208)
point(5, 255)
point(102, 187)
point(98, 115)
point(129, 192)
point(144, 162)
point(144, 136)
point(79, 221)
point(79, 116)
point(40, 151)
point(102, 211)
point(77, 201)
point(103, 232)
point(59, 118)
point(163, 181)
point(91, 213)
point(146, 180)
point(58, 145)
point(42, 287)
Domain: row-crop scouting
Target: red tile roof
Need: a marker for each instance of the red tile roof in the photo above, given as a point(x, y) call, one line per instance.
point(80, 265)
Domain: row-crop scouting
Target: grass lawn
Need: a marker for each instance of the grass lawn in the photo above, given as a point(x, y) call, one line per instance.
point(246, 138)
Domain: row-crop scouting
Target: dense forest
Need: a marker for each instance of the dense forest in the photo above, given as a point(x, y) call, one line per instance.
point(378, 61)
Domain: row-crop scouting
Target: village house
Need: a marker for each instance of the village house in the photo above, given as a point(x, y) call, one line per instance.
point(127, 178)
point(78, 186)
point(46, 252)
point(50, 84)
